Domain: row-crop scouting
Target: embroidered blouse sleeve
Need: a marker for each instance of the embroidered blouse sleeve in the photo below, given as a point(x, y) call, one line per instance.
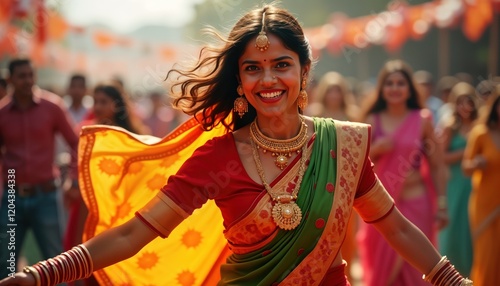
point(185, 191)
point(372, 201)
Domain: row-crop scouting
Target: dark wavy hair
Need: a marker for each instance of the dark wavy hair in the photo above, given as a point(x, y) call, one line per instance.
point(492, 118)
point(462, 90)
point(122, 115)
point(390, 67)
point(208, 88)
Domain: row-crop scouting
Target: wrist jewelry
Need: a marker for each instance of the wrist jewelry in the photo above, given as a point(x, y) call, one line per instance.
point(445, 274)
point(71, 265)
point(32, 271)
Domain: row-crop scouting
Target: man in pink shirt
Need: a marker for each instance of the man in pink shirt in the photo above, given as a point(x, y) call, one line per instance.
point(29, 120)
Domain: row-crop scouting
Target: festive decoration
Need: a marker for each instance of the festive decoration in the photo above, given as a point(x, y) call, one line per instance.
point(29, 28)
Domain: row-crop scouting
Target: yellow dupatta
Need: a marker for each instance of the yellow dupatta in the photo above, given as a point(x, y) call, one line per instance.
point(119, 172)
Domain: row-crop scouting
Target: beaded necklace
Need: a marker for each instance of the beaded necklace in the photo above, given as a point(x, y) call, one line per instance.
point(285, 212)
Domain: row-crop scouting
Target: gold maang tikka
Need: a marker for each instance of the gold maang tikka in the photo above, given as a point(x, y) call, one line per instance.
point(262, 42)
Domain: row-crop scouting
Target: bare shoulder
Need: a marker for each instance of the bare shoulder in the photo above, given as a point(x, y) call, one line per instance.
point(242, 134)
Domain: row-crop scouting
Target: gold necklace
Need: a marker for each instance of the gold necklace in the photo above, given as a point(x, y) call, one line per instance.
point(281, 149)
point(286, 213)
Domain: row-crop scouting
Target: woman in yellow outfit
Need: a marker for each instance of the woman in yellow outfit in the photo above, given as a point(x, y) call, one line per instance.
point(482, 161)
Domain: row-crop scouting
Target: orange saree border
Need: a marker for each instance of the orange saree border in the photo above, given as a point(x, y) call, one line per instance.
point(352, 147)
point(86, 144)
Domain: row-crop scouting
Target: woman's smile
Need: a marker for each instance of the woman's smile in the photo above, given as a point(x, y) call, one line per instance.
point(270, 96)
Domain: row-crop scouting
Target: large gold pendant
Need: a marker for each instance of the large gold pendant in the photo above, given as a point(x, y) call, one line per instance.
point(281, 161)
point(287, 215)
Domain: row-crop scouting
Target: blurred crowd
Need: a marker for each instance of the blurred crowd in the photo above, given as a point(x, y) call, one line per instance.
point(457, 114)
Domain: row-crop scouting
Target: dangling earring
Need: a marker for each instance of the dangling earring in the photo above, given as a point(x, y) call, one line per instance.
point(303, 100)
point(240, 103)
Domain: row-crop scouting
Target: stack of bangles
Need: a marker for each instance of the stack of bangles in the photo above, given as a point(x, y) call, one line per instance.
point(445, 274)
point(71, 265)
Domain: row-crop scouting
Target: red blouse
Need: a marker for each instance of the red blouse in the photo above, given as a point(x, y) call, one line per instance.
point(215, 171)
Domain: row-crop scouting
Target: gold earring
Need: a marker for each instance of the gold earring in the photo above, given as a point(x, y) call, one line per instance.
point(303, 99)
point(240, 103)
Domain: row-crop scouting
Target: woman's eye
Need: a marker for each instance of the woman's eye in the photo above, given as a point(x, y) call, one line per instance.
point(282, 65)
point(251, 68)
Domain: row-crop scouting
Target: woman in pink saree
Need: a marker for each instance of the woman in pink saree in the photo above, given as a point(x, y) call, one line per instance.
point(409, 164)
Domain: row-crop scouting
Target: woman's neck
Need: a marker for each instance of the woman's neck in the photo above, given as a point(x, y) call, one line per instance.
point(398, 110)
point(106, 121)
point(280, 127)
point(335, 114)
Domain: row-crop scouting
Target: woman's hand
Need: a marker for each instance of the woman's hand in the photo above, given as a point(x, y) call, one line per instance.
point(442, 218)
point(19, 279)
point(381, 146)
point(479, 162)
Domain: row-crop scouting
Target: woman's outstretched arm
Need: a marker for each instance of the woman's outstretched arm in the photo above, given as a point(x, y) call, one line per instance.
point(416, 248)
point(107, 248)
point(408, 241)
point(119, 243)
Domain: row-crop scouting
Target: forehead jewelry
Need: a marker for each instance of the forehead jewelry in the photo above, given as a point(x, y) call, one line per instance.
point(262, 42)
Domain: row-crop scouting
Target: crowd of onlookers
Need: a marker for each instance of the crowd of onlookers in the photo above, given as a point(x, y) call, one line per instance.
point(435, 146)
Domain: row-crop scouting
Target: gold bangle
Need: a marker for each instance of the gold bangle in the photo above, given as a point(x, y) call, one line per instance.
point(82, 261)
point(45, 271)
point(467, 282)
point(89, 257)
point(61, 260)
point(31, 270)
point(57, 275)
point(72, 267)
point(435, 269)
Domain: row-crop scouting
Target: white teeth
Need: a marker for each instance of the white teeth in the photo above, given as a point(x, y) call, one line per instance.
point(271, 94)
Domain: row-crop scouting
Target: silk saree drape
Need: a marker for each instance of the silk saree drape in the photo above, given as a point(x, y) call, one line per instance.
point(119, 172)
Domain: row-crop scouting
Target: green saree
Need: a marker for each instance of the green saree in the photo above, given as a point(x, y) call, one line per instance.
point(305, 254)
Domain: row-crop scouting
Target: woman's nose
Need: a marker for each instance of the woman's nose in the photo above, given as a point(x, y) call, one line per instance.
point(268, 78)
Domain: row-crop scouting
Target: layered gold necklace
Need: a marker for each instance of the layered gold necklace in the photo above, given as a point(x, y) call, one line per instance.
point(281, 149)
point(285, 212)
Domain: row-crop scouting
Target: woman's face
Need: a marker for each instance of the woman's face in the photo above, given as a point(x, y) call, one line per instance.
point(104, 107)
point(465, 107)
point(271, 80)
point(333, 98)
point(396, 89)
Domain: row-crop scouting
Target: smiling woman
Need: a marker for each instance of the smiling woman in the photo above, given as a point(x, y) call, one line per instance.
point(285, 184)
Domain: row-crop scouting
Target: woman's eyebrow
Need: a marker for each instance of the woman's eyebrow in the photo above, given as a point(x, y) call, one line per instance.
point(273, 60)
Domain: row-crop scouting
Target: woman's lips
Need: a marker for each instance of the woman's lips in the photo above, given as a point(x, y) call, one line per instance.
point(270, 97)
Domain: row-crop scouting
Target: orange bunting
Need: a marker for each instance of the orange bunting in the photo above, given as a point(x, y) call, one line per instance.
point(478, 15)
point(8, 42)
point(419, 20)
point(104, 40)
point(396, 30)
point(354, 34)
point(58, 27)
point(168, 53)
point(6, 10)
